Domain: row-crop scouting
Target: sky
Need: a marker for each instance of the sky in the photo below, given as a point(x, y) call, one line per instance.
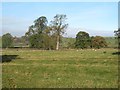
point(96, 18)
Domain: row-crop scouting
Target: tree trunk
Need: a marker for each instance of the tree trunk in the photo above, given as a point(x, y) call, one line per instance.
point(57, 44)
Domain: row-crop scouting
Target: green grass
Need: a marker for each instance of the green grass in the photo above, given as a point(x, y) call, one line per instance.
point(0, 42)
point(111, 41)
point(66, 42)
point(60, 69)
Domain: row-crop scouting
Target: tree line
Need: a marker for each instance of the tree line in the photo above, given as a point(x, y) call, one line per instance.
point(49, 37)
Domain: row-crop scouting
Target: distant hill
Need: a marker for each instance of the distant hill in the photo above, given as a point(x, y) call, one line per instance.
point(111, 41)
point(69, 42)
point(0, 42)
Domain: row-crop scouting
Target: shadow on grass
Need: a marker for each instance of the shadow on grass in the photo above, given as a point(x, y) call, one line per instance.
point(7, 58)
point(116, 53)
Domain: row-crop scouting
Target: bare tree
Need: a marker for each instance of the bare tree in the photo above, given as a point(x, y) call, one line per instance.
point(58, 26)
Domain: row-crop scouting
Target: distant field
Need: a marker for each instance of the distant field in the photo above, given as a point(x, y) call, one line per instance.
point(68, 68)
point(111, 41)
point(0, 42)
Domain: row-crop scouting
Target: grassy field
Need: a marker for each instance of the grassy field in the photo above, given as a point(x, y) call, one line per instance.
point(60, 69)
point(0, 42)
point(111, 41)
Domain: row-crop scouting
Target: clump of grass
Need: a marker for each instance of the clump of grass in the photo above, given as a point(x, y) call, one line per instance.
point(104, 52)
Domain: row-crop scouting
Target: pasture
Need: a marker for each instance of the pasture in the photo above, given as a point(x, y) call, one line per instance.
point(28, 68)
